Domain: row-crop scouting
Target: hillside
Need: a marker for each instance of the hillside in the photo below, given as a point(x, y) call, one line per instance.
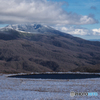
point(47, 51)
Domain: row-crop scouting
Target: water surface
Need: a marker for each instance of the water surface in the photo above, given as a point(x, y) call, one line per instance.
point(57, 76)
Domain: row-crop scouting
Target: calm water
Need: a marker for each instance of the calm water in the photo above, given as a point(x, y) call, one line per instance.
point(57, 76)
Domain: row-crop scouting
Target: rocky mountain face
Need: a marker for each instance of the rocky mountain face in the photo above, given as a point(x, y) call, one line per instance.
point(40, 48)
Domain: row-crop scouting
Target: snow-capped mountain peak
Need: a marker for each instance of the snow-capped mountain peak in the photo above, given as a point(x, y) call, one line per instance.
point(30, 28)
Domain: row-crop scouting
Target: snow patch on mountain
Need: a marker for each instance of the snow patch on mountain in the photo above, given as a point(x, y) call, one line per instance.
point(30, 28)
point(4, 29)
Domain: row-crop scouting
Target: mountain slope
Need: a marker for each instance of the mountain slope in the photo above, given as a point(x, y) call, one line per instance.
point(56, 51)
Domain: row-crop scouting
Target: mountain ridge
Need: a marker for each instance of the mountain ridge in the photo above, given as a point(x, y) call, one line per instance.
point(53, 51)
point(30, 28)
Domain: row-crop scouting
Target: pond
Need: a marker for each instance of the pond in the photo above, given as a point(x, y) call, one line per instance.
point(57, 76)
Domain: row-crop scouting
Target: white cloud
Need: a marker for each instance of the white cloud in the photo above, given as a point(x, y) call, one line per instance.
point(39, 11)
point(96, 30)
point(77, 30)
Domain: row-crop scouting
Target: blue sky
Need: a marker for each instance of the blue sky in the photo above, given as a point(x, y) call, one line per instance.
point(86, 7)
point(83, 7)
point(76, 17)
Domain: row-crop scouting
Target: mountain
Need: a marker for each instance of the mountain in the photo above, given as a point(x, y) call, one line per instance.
point(40, 48)
point(27, 31)
point(31, 28)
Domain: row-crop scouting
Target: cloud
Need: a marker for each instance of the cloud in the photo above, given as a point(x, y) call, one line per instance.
point(93, 8)
point(96, 31)
point(77, 30)
point(39, 11)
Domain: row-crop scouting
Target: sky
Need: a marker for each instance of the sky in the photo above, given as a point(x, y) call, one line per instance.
point(77, 17)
